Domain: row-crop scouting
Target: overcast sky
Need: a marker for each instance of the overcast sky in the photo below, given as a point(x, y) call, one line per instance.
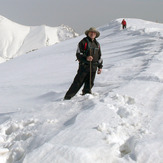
point(79, 14)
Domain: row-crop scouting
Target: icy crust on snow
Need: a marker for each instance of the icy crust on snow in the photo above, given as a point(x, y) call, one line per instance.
point(120, 123)
point(16, 39)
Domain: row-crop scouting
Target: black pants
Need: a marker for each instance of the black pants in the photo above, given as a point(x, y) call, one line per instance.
point(82, 77)
point(124, 26)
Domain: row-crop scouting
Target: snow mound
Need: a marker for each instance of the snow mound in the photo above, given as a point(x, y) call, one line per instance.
point(16, 39)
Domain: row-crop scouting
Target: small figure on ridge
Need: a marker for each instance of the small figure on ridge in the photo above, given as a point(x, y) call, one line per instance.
point(124, 24)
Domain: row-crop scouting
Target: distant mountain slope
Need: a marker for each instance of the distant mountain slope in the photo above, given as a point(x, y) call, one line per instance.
point(16, 39)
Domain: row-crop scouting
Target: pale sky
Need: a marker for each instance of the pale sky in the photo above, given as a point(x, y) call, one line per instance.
point(79, 14)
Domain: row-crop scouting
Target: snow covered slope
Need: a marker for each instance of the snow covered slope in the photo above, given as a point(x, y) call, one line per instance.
point(122, 123)
point(16, 39)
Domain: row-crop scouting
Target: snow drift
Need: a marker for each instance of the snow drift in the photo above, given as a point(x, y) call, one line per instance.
point(16, 39)
point(122, 123)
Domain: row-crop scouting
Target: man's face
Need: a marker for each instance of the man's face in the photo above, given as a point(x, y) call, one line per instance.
point(92, 34)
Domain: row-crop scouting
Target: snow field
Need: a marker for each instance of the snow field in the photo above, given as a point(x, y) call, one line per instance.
point(121, 123)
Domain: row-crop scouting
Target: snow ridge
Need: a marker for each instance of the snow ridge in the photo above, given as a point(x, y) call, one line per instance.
point(16, 39)
point(121, 122)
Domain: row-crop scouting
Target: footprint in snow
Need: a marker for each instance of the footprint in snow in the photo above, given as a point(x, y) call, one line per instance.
point(14, 136)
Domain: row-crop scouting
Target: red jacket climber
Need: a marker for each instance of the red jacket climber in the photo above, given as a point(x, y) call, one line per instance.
point(124, 23)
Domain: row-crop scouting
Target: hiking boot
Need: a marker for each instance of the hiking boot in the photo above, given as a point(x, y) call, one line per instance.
point(67, 98)
point(86, 93)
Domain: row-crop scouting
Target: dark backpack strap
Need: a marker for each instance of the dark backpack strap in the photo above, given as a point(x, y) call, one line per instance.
point(98, 44)
point(87, 45)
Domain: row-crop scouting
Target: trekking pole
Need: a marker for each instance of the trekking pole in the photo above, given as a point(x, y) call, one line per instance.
point(90, 78)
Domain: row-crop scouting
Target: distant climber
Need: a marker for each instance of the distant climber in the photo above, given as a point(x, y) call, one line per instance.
point(124, 24)
point(89, 57)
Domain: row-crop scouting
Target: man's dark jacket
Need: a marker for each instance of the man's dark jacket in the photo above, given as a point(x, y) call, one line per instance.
point(87, 47)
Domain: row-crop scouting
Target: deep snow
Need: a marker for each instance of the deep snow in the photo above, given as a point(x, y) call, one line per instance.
point(16, 39)
point(121, 123)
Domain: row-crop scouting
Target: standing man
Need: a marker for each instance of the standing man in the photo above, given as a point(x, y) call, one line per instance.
point(124, 24)
point(89, 57)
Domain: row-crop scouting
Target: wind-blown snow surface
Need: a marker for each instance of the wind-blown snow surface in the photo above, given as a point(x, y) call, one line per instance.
point(121, 123)
point(16, 39)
